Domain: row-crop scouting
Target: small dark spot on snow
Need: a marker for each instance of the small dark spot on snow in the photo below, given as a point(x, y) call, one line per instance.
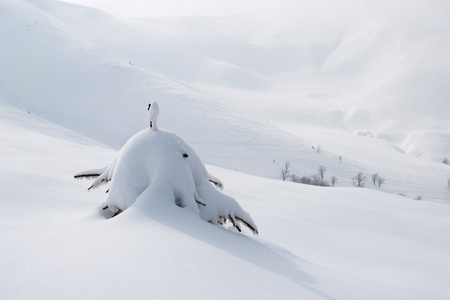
point(179, 202)
point(185, 155)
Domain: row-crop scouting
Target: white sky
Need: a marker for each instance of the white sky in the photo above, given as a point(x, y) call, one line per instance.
point(165, 8)
point(416, 10)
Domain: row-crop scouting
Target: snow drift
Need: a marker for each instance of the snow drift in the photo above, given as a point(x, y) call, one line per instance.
point(157, 166)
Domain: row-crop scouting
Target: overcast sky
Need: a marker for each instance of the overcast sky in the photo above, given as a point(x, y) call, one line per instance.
point(165, 8)
point(413, 10)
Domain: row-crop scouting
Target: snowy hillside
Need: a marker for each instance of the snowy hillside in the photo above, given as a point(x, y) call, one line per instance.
point(356, 65)
point(314, 243)
point(368, 82)
point(61, 63)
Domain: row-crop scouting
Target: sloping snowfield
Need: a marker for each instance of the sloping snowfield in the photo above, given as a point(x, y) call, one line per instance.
point(367, 82)
point(314, 243)
point(61, 62)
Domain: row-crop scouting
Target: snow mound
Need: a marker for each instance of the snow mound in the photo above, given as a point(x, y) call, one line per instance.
point(158, 166)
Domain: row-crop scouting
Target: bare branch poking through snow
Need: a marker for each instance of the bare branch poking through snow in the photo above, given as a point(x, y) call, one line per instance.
point(89, 174)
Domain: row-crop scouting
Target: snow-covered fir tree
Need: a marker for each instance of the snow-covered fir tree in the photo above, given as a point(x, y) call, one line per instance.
point(155, 164)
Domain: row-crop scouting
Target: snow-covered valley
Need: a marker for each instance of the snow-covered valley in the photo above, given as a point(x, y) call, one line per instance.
point(60, 63)
point(248, 94)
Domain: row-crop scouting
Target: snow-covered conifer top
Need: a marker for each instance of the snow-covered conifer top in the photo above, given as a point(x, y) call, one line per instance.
point(153, 112)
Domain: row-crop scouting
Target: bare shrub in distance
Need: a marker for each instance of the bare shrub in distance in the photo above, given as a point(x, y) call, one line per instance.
point(380, 181)
point(321, 171)
point(285, 171)
point(359, 180)
point(374, 178)
point(334, 179)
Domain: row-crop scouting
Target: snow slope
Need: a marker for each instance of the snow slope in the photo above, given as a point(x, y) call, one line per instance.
point(247, 92)
point(229, 91)
point(315, 243)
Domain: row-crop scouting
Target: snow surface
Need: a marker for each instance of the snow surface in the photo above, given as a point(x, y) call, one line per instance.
point(365, 86)
point(315, 243)
point(366, 81)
